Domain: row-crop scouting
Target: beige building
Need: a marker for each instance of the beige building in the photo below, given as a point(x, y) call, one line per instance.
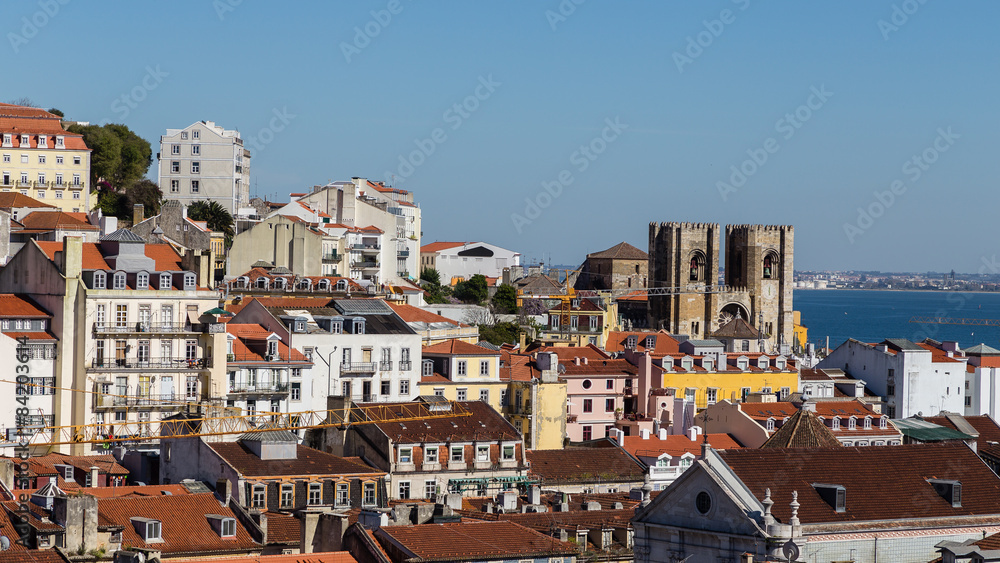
point(205, 162)
point(42, 160)
point(135, 342)
point(289, 242)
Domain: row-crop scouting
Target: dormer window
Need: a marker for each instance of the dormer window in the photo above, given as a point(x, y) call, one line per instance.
point(631, 341)
point(359, 325)
point(650, 342)
point(6, 140)
point(119, 280)
point(687, 363)
point(868, 423)
point(60, 142)
point(950, 490)
point(342, 285)
point(836, 423)
point(882, 422)
point(779, 363)
point(279, 283)
point(189, 281)
point(100, 280)
point(25, 141)
point(742, 364)
point(770, 425)
point(43, 142)
point(324, 284)
point(707, 363)
point(142, 280)
point(305, 284)
point(852, 423)
point(148, 529)
point(834, 495)
point(260, 283)
point(272, 349)
point(165, 280)
point(300, 325)
point(225, 526)
point(427, 368)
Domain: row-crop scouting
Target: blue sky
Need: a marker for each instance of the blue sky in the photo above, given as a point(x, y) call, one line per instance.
point(695, 91)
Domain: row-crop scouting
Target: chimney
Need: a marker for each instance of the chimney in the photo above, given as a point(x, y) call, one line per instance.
point(78, 515)
point(662, 434)
point(71, 262)
point(138, 214)
point(94, 472)
point(584, 360)
point(508, 500)
point(644, 433)
point(535, 495)
point(224, 490)
point(576, 360)
point(694, 432)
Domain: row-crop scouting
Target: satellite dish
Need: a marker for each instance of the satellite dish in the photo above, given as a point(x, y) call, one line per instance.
point(791, 551)
point(4, 543)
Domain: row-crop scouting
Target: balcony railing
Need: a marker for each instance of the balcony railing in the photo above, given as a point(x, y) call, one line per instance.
point(331, 257)
point(364, 264)
point(357, 367)
point(403, 253)
point(385, 366)
point(403, 274)
point(15, 183)
point(148, 363)
point(366, 246)
point(168, 401)
point(248, 358)
point(115, 328)
point(405, 366)
point(260, 388)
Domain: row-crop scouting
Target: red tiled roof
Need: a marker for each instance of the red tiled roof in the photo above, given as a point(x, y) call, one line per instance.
point(676, 445)
point(484, 424)
point(621, 251)
point(412, 314)
point(474, 540)
point(30, 335)
point(459, 348)
point(518, 367)
point(600, 367)
point(439, 246)
point(10, 200)
point(18, 306)
point(17, 553)
point(45, 465)
point(307, 462)
point(283, 528)
point(665, 344)
point(567, 353)
point(164, 255)
point(51, 220)
point(315, 557)
point(863, 471)
point(185, 528)
point(583, 465)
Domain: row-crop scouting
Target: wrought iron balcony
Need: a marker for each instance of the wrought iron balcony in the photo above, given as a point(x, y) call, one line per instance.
point(357, 368)
point(150, 363)
point(385, 366)
point(151, 327)
point(364, 264)
point(259, 389)
point(405, 366)
point(331, 257)
point(162, 401)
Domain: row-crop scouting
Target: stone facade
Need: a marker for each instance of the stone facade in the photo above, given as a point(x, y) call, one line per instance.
point(686, 258)
point(622, 266)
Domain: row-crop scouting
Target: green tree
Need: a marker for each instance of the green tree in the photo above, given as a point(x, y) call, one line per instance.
point(57, 112)
point(144, 192)
point(430, 275)
point(215, 216)
point(500, 333)
point(473, 290)
point(118, 156)
point(505, 299)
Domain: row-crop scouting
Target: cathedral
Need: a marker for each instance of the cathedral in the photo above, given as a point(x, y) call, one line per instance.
point(686, 258)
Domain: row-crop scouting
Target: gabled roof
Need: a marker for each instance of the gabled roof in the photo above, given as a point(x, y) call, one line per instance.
point(459, 348)
point(307, 462)
point(185, 527)
point(583, 465)
point(21, 307)
point(736, 328)
point(10, 200)
point(51, 220)
point(664, 342)
point(802, 430)
point(621, 251)
point(473, 541)
point(412, 314)
point(439, 246)
point(675, 444)
point(871, 495)
point(164, 255)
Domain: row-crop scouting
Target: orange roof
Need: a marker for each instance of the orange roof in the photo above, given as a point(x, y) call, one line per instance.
point(30, 335)
point(51, 220)
point(185, 527)
point(937, 354)
point(567, 353)
point(164, 255)
point(471, 541)
point(315, 557)
point(439, 246)
point(9, 200)
point(459, 348)
point(21, 307)
point(36, 121)
point(412, 314)
point(676, 445)
point(665, 344)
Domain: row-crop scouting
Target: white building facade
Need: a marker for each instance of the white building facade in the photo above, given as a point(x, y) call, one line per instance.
point(466, 259)
point(204, 162)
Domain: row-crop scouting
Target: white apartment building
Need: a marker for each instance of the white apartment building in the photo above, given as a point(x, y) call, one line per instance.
point(359, 348)
point(135, 343)
point(913, 378)
point(205, 162)
point(34, 358)
point(264, 373)
point(454, 260)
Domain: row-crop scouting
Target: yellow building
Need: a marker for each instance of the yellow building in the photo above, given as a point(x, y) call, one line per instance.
point(583, 322)
point(702, 379)
point(460, 371)
point(801, 333)
point(42, 160)
point(536, 399)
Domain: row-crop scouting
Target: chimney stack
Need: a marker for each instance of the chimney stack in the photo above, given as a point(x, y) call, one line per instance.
point(138, 214)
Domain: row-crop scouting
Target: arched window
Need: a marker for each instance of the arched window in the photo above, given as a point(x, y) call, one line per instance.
point(770, 265)
point(260, 283)
point(342, 285)
point(882, 422)
point(836, 423)
point(305, 284)
point(279, 283)
point(100, 280)
point(324, 284)
point(868, 423)
point(770, 425)
point(852, 423)
point(696, 269)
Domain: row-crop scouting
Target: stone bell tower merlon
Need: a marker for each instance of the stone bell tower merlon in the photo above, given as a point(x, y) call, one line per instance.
point(684, 257)
point(759, 260)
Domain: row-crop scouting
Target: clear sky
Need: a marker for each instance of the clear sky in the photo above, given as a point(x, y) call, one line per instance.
point(728, 111)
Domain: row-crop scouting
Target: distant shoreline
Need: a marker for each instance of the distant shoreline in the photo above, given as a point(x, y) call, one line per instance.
point(899, 290)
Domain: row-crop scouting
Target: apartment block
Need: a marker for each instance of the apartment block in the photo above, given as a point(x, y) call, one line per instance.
point(204, 162)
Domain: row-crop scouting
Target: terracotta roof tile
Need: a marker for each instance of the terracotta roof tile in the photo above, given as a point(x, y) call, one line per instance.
point(474, 540)
point(802, 430)
point(459, 348)
point(10, 200)
point(185, 528)
point(308, 462)
point(862, 471)
point(621, 251)
point(20, 306)
point(412, 314)
point(665, 344)
point(583, 465)
point(315, 557)
point(439, 246)
point(483, 424)
point(51, 220)
point(676, 445)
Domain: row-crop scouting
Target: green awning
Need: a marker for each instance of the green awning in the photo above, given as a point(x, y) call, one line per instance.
point(217, 311)
point(923, 431)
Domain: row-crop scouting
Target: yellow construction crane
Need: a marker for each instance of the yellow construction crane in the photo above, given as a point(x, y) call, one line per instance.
point(955, 321)
point(221, 421)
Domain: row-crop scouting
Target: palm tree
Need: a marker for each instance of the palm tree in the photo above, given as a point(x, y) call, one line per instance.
point(214, 215)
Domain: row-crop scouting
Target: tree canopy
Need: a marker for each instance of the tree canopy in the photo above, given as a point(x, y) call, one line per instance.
point(436, 293)
point(474, 290)
point(215, 216)
point(119, 203)
point(505, 299)
point(118, 156)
